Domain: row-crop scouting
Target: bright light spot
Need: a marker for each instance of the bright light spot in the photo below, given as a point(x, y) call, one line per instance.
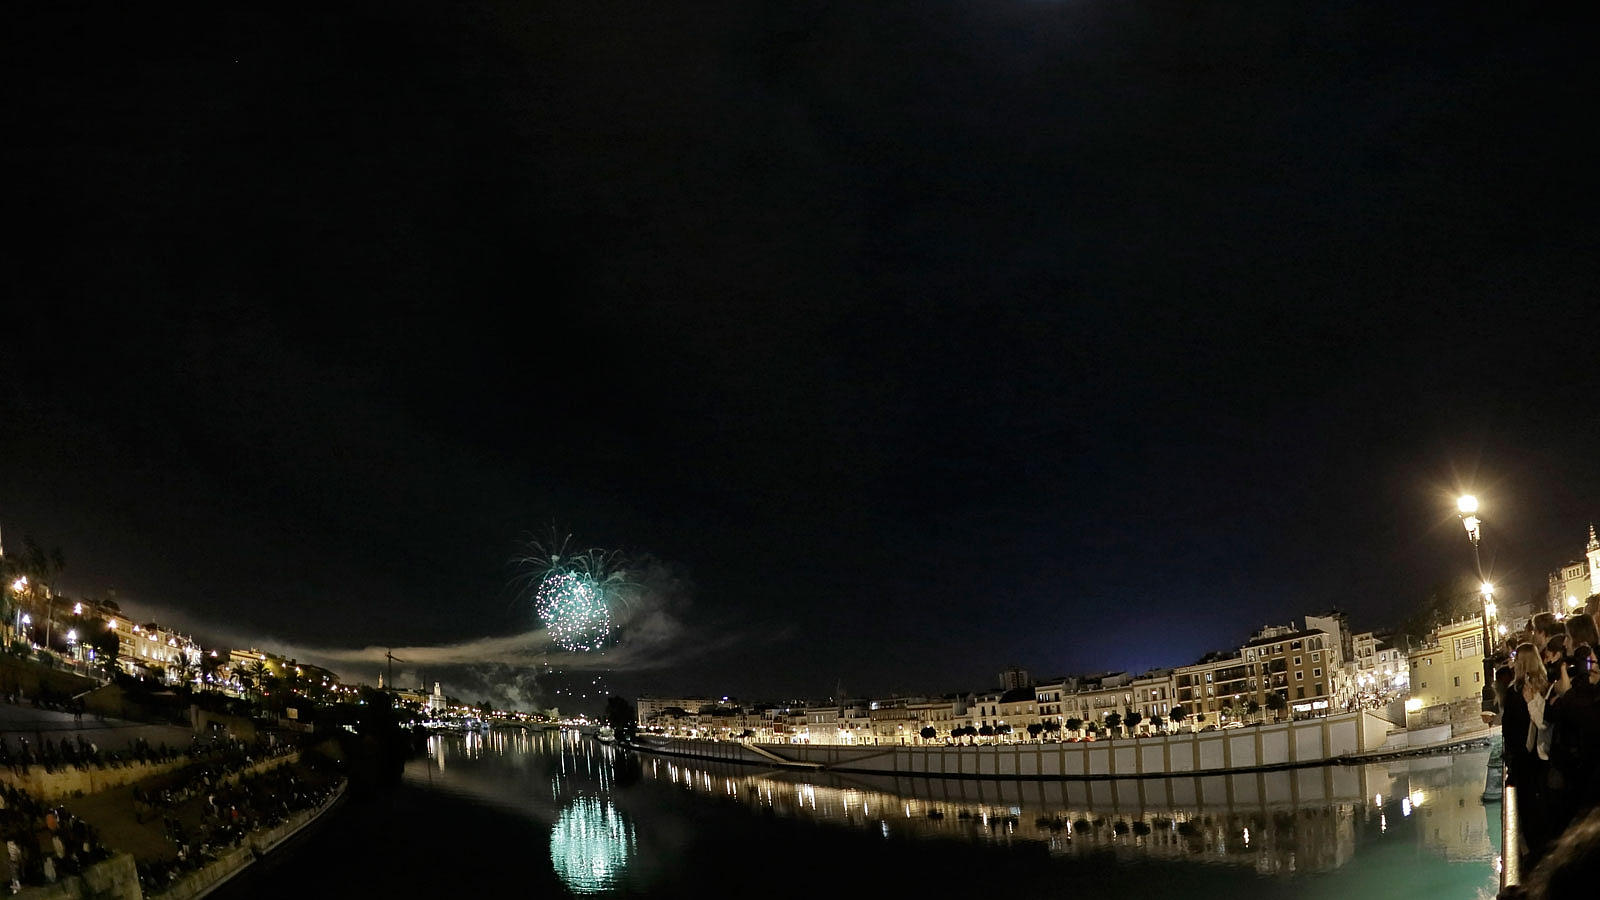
point(1414, 704)
point(1487, 588)
point(1405, 806)
point(1467, 503)
point(1416, 799)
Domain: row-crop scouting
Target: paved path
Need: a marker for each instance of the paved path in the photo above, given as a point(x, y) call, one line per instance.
point(107, 734)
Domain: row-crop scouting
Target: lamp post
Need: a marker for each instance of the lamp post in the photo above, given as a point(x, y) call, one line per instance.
point(1467, 506)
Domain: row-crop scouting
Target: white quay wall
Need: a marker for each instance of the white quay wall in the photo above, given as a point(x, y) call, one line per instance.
point(1285, 744)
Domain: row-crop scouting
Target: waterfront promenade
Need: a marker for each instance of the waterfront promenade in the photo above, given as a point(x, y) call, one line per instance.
point(22, 721)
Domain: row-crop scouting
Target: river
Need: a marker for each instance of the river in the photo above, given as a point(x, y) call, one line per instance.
point(555, 813)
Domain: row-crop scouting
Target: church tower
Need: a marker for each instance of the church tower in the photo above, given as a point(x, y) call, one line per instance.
point(1594, 561)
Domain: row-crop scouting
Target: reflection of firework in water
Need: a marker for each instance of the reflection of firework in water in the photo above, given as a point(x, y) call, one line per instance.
point(575, 592)
point(591, 845)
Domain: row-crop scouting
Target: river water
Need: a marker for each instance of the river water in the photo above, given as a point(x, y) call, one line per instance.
point(553, 813)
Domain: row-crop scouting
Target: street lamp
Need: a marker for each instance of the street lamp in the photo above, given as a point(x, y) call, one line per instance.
point(1468, 507)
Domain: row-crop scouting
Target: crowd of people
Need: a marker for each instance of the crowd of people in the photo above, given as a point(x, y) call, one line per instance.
point(228, 812)
point(43, 842)
point(1547, 682)
point(59, 755)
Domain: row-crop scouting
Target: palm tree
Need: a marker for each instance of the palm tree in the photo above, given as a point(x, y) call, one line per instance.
point(1252, 707)
point(1133, 719)
point(1035, 729)
point(1157, 723)
point(1178, 714)
point(1075, 724)
point(256, 673)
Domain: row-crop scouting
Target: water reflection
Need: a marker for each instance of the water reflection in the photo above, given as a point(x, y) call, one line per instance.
point(622, 822)
point(590, 845)
point(1274, 823)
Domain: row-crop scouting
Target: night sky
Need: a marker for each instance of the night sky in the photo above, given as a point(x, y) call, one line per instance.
point(899, 342)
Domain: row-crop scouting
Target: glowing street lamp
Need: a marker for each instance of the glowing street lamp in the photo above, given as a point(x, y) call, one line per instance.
point(1468, 507)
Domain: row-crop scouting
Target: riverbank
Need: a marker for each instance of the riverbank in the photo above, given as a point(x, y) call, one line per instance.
point(1344, 738)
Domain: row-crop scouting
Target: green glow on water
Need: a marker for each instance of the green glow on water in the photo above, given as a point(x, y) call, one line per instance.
point(590, 845)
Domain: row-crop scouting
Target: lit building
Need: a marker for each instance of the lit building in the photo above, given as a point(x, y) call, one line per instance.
point(1378, 666)
point(149, 649)
point(650, 707)
point(1220, 683)
point(1571, 584)
point(1447, 675)
point(1302, 667)
point(1152, 696)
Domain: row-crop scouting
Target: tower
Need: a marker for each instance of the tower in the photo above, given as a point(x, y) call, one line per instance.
point(1593, 552)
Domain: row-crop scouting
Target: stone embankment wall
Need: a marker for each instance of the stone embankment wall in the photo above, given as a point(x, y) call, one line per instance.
point(1282, 745)
point(114, 879)
point(67, 782)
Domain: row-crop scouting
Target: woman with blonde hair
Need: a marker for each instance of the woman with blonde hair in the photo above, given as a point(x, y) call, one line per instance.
point(1527, 770)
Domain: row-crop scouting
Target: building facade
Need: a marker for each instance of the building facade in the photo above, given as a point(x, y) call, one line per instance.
point(1447, 673)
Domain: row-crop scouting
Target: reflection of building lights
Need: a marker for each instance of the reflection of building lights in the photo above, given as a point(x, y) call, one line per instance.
point(1416, 799)
point(1405, 806)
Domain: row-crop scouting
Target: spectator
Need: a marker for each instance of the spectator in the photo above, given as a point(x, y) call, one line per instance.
point(1522, 725)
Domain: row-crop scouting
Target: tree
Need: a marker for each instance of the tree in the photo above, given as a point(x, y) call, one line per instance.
point(1035, 729)
point(622, 716)
point(1052, 727)
point(1277, 704)
point(1179, 713)
point(106, 646)
point(1157, 723)
point(255, 675)
point(1113, 722)
point(1074, 724)
point(987, 731)
point(1133, 719)
point(928, 733)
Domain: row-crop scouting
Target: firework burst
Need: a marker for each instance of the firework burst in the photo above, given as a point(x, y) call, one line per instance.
point(574, 592)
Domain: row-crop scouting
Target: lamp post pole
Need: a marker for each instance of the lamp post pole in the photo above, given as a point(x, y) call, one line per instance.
point(1467, 505)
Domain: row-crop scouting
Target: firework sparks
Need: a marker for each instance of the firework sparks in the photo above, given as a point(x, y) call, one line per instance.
point(575, 593)
point(574, 609)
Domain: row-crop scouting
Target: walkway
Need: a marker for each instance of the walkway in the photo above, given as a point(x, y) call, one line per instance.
point(106, 733)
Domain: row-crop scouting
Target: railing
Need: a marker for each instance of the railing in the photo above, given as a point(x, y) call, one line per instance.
point(1510, 839)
